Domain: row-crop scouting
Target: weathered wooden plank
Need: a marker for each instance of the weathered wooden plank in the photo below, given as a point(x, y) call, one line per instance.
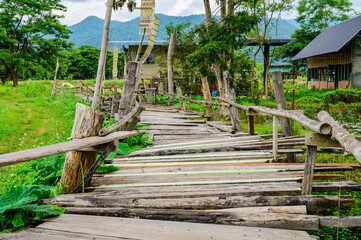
point(340, 222)
point(198, 182)
point(313, 202)
point(36, 153)
point(163, 230)
point(309, 170)
point(269, 217)
point(159, 164)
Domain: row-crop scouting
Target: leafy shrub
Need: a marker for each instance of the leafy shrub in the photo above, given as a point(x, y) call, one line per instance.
point(17, 211)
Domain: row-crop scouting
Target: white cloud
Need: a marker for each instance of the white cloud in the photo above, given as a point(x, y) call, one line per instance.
point(80, 9)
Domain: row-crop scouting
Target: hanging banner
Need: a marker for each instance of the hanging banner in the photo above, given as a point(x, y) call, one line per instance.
point(147, 14)
point(115, 62)
point(151, 41)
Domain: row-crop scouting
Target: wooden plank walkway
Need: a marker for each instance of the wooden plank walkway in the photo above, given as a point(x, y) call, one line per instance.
point(194, 183)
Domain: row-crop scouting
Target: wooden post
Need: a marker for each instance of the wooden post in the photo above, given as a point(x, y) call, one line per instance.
point(170, 68)
point(250, 125)
point(115, 103)
point(293, 99)
point(208, 97)
point(137, 82)
point(275, 139)
point(266, 68)
point(231, 96)
point(103, 55)
point(87, 123)
point(55, 79)
point(309, 170)
point(188, 105)
point(147, 92)
point(181, 100)
point(156, 96)
point(160, 87)
point(281, 104)
point(125, 104)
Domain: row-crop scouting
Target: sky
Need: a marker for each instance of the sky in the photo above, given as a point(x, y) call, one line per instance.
point(80, 9)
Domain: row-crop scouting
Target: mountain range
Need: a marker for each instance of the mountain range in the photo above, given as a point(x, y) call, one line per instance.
point(90, 30)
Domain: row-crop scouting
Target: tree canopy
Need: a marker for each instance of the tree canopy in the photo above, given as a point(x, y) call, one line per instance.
point(30, 33)
point(320, 14)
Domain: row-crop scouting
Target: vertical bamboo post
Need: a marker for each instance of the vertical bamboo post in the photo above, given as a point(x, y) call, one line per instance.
point(208, 97)
point(55, 79)
point(281, 104)
point(181, 100)
point(250, 124)
point(87, 123)
point(103, 54)
point(309, 170)
point(293, 99)
point(275, 139)
point(170, 68)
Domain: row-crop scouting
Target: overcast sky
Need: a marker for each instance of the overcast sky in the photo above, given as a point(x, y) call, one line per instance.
point(80, 9)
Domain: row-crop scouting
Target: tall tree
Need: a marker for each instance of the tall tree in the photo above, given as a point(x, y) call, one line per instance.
point(24, 26)
point(268, 12)
point(320, 14)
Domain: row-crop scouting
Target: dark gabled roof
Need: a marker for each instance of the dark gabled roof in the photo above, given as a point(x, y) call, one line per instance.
point(332, 39)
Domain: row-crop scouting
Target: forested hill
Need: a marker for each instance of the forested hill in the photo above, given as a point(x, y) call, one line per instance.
point(89, 31)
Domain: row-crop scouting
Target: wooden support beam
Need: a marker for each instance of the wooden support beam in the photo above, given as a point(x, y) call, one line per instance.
point(208, 97)
point(231, 96)
point(309, 170)
point(275, 139)
point(93, 168)
point(87, 123)
point(181, 100)
point(250, 125)
point(125, 104)
point(315, 139)
point(171, 48)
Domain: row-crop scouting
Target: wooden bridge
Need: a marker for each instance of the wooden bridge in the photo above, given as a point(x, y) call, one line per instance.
point(201, 179)
point(198, 182)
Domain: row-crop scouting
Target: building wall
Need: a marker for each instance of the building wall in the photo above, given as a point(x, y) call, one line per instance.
point(356, 63)
point(149, 71)
point(342, 57)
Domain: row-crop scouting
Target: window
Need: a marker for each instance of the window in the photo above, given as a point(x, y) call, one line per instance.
point(150, 59)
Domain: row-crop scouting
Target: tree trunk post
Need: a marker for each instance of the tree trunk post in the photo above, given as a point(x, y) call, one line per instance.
point(181, 100)
point(309, 170)
point(250, 124)
point(115, 104)
point(171, 49)
point(231, 96)
point(87, 123)
point(103, 55)
point(55, 79)
point(281, 104)
point(275, 139)
point(208, 97)
point(147, 92)
point(128, 92)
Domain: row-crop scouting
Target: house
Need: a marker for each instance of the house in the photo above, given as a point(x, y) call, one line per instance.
point(288, 71)
point(334, 56)
point(150, 67)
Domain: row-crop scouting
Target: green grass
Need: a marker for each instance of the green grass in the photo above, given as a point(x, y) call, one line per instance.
point(30, 118)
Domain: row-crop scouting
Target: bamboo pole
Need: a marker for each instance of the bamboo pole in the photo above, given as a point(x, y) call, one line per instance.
point(140, 45)
point(130, 115)
point(55, 79)
point(347, 140)
point(103, 54)
point(170, 67)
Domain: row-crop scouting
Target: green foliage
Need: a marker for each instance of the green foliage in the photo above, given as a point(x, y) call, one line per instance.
point(320, 14)
point(25, 30)
point(83, 63)
point(16, 210)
